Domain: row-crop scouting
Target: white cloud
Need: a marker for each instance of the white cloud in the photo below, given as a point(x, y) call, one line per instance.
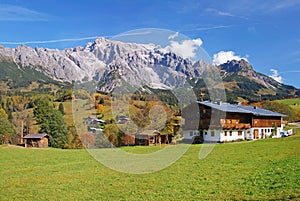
point(47, 41)
point(172, 36)
point(134, 33)
point(186, 48)
point(275, 75)
point(18, 13)
point(218, 12)
point(223, 57)
point(283, 4)
point(211, 27)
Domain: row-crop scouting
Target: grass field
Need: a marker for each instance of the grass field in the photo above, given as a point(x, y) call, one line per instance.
point(258, 170)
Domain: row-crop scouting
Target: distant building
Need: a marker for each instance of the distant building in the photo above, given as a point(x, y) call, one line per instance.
point(122, 119)
point(36, 140)
point(94, 120)
point(147, 137)
point(220, 122)
point(94, 124)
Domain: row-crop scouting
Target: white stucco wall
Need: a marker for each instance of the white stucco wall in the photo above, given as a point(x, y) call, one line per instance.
point(211, 135)
point(233, 136)
point(219, 135)
point(267, 131)
point(189, 134)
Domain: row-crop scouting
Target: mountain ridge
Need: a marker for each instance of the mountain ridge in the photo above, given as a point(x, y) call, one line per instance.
point(109, 62)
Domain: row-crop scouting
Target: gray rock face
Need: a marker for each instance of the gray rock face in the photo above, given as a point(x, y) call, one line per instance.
point(111, 62)
point(243, 68)
point(137, 64)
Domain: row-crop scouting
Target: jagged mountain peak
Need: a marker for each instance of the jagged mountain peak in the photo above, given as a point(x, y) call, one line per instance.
point(236, 65)
point(111, 62)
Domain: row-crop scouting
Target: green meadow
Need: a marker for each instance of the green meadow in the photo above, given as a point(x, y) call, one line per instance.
point(258, 170)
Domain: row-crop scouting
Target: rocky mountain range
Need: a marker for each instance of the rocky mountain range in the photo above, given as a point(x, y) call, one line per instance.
point(111, 62)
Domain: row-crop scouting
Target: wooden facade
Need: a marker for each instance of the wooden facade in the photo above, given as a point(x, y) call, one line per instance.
point(199, 116)
point(244, 122)
point(147, 137)
point(36, 140)
point(266, 121)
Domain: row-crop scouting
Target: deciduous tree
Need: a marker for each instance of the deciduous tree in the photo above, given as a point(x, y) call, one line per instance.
point(88, 139)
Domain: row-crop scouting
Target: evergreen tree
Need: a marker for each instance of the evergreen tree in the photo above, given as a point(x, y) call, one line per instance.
point(51, 122)
point(6, 130)
point(61, 108)
point(101, 101)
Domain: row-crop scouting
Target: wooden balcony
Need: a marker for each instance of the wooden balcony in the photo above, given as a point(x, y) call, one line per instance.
point(236, 126)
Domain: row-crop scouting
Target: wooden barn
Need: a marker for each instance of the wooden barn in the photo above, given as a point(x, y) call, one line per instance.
point(152, 137)
point(36, 140)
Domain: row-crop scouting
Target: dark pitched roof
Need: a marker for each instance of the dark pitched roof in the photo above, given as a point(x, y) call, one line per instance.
point(226, 107)
point(35, 136)
point(261, 112)
point(149, 132)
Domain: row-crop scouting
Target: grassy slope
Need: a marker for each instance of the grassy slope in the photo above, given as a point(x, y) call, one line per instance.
point(294, 103)
point(266, 169)
point(16, 77)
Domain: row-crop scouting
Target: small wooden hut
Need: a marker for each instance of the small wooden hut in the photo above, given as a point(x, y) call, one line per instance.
point(36, 140)
point(152, 137)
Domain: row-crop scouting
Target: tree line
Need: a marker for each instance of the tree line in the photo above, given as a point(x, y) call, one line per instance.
point(15, 120)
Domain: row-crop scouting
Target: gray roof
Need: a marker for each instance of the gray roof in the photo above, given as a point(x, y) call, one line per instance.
point(261, 112)
point(226, 107)
point(35, 136)
point(149, 132)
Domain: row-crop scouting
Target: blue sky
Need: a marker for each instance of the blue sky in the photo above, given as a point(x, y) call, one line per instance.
point(266, 33)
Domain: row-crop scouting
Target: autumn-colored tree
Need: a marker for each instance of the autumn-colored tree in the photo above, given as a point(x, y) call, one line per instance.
point(3, 113)
point(173, 125)
point(99, 111)
point(74, 139)
point(281, 108)
point(298, 114)
point(88, 140)
point(114, 134)
point(20, 104)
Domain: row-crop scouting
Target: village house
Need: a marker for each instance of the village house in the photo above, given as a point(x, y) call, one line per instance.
point(208, 121)
point(94, 124)
point(36, 140)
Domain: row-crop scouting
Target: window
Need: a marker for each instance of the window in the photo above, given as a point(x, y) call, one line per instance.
point(230, 133)
point(205, 133)
point(191, 133)
point(212, 133)
point(240, 133)
point(225, 133)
